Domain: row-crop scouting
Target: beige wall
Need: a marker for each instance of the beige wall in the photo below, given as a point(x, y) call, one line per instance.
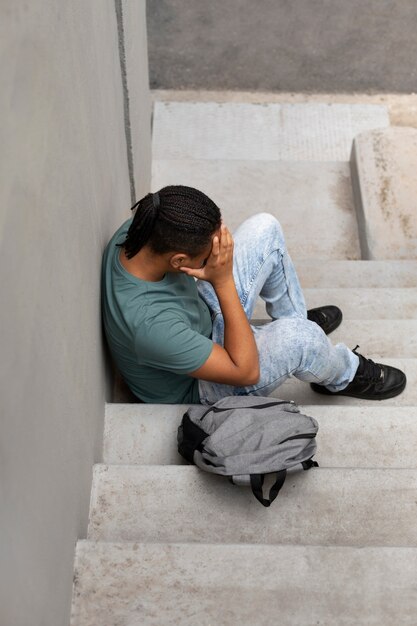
point(65, 187)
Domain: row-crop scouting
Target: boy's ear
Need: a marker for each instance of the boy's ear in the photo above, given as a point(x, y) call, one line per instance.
point(178, 260)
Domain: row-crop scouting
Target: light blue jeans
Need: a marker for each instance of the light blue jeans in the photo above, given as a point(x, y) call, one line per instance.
point(289, 345)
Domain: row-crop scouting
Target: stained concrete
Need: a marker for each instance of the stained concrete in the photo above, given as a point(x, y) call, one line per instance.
point(153, 584)
point(284, 45)
point(323, 506)
point(371, 435)
point(383, 164)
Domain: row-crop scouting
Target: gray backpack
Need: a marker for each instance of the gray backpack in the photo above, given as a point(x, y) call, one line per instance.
point(246, 437)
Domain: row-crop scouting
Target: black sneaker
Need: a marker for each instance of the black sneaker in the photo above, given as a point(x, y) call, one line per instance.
point(327, 317)
point(372, 381)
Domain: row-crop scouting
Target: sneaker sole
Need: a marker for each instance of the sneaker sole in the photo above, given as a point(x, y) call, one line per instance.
point(362, 396)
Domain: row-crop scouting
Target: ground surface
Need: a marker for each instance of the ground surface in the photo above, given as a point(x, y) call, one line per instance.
point(283, 45)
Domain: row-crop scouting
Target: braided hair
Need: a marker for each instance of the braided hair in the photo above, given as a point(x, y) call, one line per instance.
point(175, 218)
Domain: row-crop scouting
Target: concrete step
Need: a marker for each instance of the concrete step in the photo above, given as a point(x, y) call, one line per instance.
point(315, 273)
point(287, 132)
point(303, 197)
point(379, 338)
point(351, 507)
point(367, 437)
point(361, 303)
point(383, 167)
point(152, 584)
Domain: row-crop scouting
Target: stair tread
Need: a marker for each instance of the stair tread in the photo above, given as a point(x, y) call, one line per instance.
point(316, 273)
point(360, 303)
point(366, 436)
point(379, 339)
point(321, 506)
point(295, 193)
point(301, 131)
point(151, 584)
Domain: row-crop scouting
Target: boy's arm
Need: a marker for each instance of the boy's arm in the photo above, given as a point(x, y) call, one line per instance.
point(238, 362)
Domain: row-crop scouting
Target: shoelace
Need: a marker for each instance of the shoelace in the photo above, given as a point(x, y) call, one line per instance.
point(370, 370)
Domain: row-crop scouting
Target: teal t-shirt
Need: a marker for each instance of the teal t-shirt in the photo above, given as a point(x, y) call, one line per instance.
point(157, 332)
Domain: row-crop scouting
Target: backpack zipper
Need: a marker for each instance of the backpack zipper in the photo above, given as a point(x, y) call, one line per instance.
point(217, 409)
point(306, 436)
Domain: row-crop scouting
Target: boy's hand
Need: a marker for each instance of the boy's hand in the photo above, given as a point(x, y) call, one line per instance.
point(219, 267)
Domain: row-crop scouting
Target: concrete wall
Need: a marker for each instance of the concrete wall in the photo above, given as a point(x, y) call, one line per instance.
point(283, 45)
point(66, 185)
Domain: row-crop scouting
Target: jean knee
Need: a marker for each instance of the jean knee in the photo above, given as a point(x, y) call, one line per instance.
point(317, 347)
point(268, 230)
point(297, 339)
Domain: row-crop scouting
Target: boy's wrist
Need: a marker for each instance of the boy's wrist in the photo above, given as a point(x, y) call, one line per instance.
point(224, 284)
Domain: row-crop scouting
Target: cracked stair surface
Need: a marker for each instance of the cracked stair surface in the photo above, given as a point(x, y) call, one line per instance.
point(325, 506)
point(170, 584)
point(368, 436)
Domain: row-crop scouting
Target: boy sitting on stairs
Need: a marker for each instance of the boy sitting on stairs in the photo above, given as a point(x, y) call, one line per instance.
point(180, 340)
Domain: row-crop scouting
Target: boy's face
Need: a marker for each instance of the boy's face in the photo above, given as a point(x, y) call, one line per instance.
point(195, 262)
point(200, 260)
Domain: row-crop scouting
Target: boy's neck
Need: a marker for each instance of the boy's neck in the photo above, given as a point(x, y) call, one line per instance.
point(144, 265)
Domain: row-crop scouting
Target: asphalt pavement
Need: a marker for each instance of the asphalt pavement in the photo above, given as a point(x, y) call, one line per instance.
point(284, 45)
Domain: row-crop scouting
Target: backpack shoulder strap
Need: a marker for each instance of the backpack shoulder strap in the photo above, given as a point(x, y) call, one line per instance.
point(257, 481)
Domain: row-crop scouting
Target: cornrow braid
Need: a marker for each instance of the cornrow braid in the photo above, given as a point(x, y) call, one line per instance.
point(141, 228)
point(175, 218)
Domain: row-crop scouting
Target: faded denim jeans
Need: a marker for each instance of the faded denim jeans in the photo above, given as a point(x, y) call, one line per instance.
point(288, 345)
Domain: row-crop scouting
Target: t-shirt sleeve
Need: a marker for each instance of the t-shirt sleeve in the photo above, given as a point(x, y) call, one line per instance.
point(168, 343)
